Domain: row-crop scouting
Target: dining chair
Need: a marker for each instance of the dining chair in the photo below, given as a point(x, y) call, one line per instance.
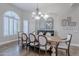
point(48, 34)
point(34, 32)
point(33, 40)
point(43, 44)
point(40, 33)
point(65, 44)
point(25, 40)
point(19, 37)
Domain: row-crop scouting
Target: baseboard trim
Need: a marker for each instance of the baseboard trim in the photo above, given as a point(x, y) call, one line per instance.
point(77, 45)
point(3, 43)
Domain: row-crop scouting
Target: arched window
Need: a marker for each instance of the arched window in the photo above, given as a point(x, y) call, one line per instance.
point(10, 23)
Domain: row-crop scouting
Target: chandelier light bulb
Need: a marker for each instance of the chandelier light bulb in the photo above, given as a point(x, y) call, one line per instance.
point(39, 13)
point(46, 16)
point(37, 17)
point(42, 15)
point(33, 13)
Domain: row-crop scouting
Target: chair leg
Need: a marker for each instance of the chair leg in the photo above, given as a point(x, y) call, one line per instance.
point(50, 51)
point(22, 45)
point(18, 42)
point(34, 48)
point(68, 53)
point(29, 49)
point(39, 51)
point(56, 51)
point(45, 52)
point(26, 46)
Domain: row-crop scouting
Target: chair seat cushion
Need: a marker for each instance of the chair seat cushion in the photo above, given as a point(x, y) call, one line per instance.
point(32, 44)
point(25, 42)
point(43, 47)
point(63, 46)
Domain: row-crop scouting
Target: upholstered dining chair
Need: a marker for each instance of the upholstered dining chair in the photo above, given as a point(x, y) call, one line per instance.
point(33, 40)
point(43, 44)
point(65, 44)
point(40, 33)
point(48, 34)
point(25, 40)
point(34, 32)
point(19, 37)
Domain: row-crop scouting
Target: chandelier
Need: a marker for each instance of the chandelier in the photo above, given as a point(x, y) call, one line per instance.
point(37, 15)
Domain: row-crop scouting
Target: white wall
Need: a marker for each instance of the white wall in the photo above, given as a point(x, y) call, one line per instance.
point(73, 12)
point(22, 14)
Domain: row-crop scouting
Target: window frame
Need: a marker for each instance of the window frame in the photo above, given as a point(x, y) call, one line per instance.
point(14, 17)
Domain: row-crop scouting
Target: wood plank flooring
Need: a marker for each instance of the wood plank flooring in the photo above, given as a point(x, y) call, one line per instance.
point(12, 49)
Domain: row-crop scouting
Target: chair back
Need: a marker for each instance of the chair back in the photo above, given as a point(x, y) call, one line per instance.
point(34, 32)
point(24, 39)
point(69, 37)
point(24, 36)
point(32, 37)
point(40, 33)
point(19, 35)
point(42, 40)
point(48, 34)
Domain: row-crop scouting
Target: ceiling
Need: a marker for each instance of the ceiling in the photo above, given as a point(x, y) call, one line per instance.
point(56, 8)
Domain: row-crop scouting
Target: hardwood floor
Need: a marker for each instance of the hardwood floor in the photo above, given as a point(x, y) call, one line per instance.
point(12, 49)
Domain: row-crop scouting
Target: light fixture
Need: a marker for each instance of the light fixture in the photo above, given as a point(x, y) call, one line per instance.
point(38, 14)
point(46, 16)
point(33, 13)
point(37, 17)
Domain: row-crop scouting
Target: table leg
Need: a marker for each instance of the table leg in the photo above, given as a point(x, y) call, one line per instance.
point(50, 50)
point(54, 49)
point(57, 49)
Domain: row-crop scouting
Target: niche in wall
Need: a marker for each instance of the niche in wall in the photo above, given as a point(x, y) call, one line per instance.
point(49, 23)
point(44, 24)
point(68, 22)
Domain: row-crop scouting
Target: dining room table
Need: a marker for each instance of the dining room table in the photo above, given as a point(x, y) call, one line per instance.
point(54, 42)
